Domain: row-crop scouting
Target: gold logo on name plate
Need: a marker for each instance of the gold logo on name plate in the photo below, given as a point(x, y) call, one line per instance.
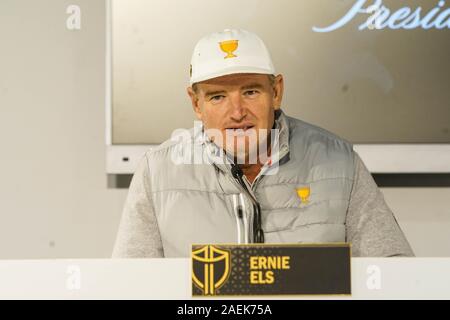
point(210, 268)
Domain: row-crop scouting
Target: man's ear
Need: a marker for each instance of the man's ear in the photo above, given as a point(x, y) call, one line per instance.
point(194, 100)
point(278, 89)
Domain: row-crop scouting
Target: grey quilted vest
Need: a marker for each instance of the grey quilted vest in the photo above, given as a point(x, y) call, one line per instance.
point(197, 203)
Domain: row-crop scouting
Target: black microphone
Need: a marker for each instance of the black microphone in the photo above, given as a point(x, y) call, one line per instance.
point(258, 233)
point(236, 171)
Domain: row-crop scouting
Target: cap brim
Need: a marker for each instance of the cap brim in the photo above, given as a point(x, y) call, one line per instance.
point(230, 70)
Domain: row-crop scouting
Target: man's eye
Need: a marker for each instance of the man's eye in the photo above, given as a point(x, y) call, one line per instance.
point(250, 92)
point(216, 98)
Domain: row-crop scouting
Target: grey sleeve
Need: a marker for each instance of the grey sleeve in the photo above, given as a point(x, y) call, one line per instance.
point(138, 235)
point(371, 226)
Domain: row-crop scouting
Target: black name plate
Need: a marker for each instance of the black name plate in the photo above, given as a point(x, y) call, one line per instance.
point(269, 269)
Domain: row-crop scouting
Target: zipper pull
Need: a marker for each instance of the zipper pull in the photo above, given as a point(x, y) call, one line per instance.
point(239, 212)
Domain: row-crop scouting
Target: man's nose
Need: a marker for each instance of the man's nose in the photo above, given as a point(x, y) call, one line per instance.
point(238, 111)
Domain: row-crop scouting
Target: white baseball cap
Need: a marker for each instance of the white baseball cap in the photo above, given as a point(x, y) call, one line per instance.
point(228, 52)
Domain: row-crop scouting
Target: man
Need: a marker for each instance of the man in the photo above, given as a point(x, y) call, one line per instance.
point(263, 176)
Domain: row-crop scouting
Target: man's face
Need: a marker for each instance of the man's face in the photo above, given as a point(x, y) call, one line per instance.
point(240, 106)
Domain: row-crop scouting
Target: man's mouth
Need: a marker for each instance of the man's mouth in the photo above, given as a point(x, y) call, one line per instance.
point(240, 131)
point(242, 127)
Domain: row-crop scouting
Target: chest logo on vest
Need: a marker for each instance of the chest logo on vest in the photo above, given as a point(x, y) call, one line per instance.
point(303, 193)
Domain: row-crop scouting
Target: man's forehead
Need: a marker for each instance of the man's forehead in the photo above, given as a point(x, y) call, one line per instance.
point(240, 79)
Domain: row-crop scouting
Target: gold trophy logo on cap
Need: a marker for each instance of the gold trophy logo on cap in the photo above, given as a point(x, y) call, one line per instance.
point(228, 47)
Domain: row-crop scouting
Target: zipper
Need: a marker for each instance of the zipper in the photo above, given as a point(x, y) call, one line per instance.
point(241, 219)
point(256, 217)
point(257, 234)
point(245, 218)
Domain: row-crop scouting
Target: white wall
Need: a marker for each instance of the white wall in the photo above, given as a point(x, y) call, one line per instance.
point(54, 200)
point(53, 196)
point(424, 215)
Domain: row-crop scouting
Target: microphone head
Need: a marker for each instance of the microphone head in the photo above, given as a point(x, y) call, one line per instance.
point(236, 171)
